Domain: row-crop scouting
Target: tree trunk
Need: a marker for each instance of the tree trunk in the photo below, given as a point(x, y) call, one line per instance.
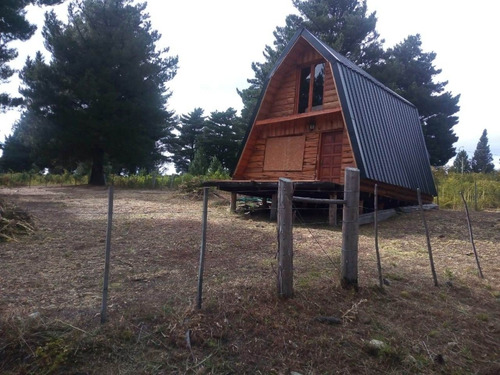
point(97, 173)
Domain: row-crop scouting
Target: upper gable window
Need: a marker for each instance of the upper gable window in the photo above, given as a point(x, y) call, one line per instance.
point(311, 88)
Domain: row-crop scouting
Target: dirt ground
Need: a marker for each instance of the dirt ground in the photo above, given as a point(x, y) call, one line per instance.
point(51, 292)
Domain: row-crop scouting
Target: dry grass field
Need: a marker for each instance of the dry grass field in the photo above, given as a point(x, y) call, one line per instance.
point(51, 290)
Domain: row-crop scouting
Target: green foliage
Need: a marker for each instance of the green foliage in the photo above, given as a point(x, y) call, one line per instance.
point(411, 73)
point(482, 161)
point(102, 97)
point(462, 163)
point(450, 184)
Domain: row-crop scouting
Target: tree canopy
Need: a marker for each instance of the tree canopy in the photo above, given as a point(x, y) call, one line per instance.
point(348, 27)
point(102, 97)
point(462, 163)
point(14, 26)
point(482, 161)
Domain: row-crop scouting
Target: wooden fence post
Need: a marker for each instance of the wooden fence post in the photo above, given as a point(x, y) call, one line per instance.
point(471, 236)
point(104, 307)
point(202, 247)
point(285, 238)
point(350, 229)
point(429, 248)
point(375, 227)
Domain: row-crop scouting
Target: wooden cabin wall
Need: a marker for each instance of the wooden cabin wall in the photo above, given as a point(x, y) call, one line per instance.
point(255, 166)
point(280, 100)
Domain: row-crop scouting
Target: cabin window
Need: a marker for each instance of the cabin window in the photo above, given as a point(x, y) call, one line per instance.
point(311, 87)
point(284, 153)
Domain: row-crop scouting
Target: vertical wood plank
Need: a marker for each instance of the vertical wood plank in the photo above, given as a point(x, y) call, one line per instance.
point(285, 238)
point(350, 229)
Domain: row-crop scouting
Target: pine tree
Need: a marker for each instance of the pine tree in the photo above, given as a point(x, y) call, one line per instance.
point(14, 26)
point(482, 161)
point(462, 164)
point(102, 96)
point(411, 73)
point(183, 147)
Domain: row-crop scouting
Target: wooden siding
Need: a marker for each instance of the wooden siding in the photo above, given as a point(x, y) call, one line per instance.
point(281, 95)
point(255, 163)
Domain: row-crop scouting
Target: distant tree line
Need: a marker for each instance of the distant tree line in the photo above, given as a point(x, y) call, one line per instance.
point(481, 161)
point(100, 101)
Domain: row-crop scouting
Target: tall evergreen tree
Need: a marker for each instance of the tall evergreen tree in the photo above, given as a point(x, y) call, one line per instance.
point(482, 161)
point(102, 97)
point(183, 147)
point(222, 137)
point(345, 25)
point(462, 163)
point(14, 26)
point(411, 73)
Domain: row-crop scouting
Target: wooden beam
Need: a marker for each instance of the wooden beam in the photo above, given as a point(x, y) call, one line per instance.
point(276, 120)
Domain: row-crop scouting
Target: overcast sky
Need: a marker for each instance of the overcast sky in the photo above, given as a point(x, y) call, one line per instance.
point(217, 41)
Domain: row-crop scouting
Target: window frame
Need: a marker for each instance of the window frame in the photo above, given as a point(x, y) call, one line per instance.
point(312, 68)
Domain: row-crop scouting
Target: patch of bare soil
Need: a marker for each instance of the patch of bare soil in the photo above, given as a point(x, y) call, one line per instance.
point(51, 291)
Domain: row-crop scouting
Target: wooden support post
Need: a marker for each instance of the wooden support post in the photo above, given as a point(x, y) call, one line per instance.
point(350, 229)
point(471, 236)
point(274, 207)
point(232, 207)
point(104, 308)
point(332, 212)
point(202, 247)
point(285, 238)
point(429, 248)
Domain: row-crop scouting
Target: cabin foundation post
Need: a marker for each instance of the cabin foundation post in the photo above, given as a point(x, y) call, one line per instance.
point(285, 238)
point(232, 207)
point(332, 212)
point(274, 207)
point(350, 229)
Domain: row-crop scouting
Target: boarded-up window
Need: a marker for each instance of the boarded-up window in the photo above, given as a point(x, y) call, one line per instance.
point(284, 153)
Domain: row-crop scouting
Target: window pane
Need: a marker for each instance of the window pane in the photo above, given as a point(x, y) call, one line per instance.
point(319, 80)
point(305, 79)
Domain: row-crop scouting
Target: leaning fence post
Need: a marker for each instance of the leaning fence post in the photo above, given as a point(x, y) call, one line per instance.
point(107, 257)
point(429, 248)
point(471, 236)
point(375, 226)
point(350, 229)
point(202, 247)
point(285, 238)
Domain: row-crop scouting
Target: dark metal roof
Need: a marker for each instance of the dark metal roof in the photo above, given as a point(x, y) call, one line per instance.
point(384, 128)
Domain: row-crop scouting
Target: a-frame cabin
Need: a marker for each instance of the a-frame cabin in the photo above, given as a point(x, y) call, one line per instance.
point(318, 114)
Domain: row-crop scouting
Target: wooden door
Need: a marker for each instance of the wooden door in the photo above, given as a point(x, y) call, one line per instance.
point(331, 156)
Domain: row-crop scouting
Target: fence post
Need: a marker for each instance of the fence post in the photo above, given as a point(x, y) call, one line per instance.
point(285, 238)
point(429, 248)
point(350, 229)
point(332, 212)
point(202, 247)
point(107, 257)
